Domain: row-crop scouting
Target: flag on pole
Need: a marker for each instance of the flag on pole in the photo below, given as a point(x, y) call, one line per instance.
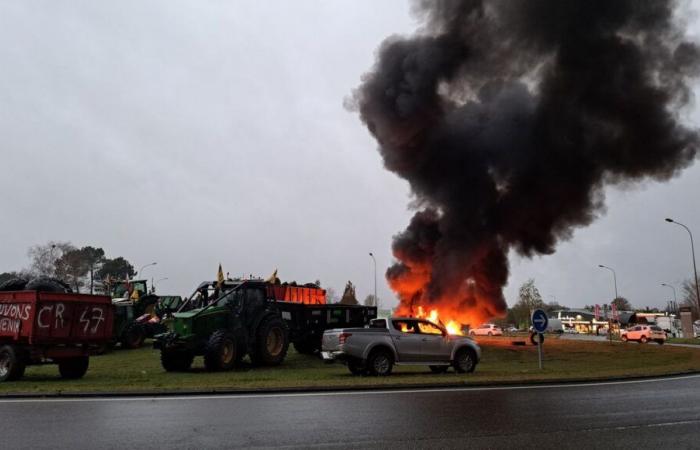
point(220, 277)
point(597, 312)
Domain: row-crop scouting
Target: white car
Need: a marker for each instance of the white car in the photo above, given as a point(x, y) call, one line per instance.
point(643, 334)
point(487, 329)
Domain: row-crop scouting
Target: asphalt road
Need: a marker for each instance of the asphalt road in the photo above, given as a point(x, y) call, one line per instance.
point(643, 414)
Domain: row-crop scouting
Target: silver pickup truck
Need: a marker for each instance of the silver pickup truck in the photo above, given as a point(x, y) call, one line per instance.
point(401, 341)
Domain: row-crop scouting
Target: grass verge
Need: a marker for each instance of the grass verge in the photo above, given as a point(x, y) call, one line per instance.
point(140, 370)
point(689, 341)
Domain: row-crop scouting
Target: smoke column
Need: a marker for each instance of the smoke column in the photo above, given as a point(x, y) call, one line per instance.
point(508, 119)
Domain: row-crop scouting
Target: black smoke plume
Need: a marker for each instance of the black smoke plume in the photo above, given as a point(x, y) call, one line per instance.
point(508, 118)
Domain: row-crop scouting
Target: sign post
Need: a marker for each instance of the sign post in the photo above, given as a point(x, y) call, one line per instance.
point(539, 324)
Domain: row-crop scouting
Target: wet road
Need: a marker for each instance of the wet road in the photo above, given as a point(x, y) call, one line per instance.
point(648, 414)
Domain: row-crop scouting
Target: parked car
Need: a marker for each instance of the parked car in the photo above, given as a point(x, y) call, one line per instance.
point(570, 331)
point(512, 330)
point(399, 341)
point(643, 334)
point(487, 329)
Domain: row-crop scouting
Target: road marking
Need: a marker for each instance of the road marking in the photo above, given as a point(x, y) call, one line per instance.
point(338, 393)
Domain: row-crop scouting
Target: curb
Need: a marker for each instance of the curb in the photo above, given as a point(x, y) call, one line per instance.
point(325, 389)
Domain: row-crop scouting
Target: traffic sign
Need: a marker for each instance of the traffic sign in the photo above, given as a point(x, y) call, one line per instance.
point(539, 320)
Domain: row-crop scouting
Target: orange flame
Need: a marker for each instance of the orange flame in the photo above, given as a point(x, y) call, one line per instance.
point(452, 326)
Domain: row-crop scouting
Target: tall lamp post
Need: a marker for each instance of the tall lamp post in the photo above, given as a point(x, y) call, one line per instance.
point(154, 283)
point(139, 273)
point(692, 250)
point(614, 277)
point(376, 300)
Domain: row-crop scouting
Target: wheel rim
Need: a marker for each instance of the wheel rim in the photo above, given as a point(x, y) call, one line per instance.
point(227, 352)
point(381, 364)
point(274, 341)
point(465, 361)
point(4, 364)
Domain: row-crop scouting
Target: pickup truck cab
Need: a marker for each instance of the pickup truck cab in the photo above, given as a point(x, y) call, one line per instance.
point(399, 341)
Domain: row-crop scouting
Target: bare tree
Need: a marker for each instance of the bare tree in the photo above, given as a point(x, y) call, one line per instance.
point(370, 300)
point(43, 258)
point(689, 297)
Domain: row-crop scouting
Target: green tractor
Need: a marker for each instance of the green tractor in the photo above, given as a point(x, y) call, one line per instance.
point(138, 316)
point(229, 321)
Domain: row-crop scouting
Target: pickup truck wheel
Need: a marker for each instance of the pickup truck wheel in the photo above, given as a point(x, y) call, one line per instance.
point(465, 361)
point(73, 368)
point(380, 363)
point(176, 360)
point(11, 365)
point(220, 353)
point(643, 340)
point(272, 343)
point(133, 336)
point(356, 368)
point(439, 369)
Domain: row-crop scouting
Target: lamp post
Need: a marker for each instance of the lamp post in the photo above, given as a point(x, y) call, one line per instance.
point(154, 283)
point(692, 250)
point(675, 299)
point(376, 300)
point(139, 273)
point(614, 277)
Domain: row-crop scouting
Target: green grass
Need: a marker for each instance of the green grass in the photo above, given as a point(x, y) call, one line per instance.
point(140, 370)
point(691, 341)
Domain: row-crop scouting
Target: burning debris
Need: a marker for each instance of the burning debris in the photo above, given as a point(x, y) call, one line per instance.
point(508, 119)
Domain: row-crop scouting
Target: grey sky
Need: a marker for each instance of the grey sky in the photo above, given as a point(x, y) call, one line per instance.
point(193, 133)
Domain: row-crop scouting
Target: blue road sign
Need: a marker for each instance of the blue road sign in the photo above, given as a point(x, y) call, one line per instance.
point(539, 320)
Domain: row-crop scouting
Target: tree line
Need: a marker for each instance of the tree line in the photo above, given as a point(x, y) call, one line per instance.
point(80, 267)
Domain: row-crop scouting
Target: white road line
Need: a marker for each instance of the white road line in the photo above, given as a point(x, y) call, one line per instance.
point(337, 393)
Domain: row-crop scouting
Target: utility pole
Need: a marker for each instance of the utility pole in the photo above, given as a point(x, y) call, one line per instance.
point(692, 250)
point(376, 299)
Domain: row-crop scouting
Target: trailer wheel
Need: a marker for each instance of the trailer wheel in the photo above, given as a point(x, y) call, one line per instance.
point(176, 360)
point(73, 368)
point(220, 353)
point(13, 284)
point(465, 361)
point(133, 336)
point(272, 342)
point(47, 284)
point(11, 365)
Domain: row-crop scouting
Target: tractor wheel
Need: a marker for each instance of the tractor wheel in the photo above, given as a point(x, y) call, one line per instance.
point(73, 368)
point(176, 360)
point(220, 353)
point(439, 369)
point(380, 363)
point(11, 364)
point(356, 367)
point(272, 342)
point(133, 336)
point(465, 361)
point(47, 284)
point(13, 284)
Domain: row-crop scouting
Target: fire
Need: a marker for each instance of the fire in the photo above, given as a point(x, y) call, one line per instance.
point(452, 326)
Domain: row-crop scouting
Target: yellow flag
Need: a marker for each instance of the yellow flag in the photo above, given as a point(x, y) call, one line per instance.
point(220, 277)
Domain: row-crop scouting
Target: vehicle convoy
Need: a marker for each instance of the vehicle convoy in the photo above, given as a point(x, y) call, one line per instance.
point(400, 341)
point(39, 327)
point(234, 318)
point(644, 334)
point(138, 313)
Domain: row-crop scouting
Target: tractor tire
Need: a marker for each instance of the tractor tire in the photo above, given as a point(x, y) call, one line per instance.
point(47, 284)
point(271, 343)
point(13, 284)
point(465, 361)
point(220, 352)
point(380, 362)
point(133, 336)
point(73, 368)
point(439, 369)
point(11, 364)
point(356, 367)
point(176, 361)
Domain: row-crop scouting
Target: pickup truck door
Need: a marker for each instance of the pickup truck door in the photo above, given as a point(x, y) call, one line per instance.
point(434, 345)
point(407, 340)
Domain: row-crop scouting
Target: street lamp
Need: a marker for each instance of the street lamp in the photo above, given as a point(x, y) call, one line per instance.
point(139, 273)
point(614, 277)
point(692, 250)
point(154, 283)
point(675, 299)
point(376, 300)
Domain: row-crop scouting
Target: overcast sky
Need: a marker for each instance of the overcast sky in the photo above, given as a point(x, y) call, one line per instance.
point(193, 133)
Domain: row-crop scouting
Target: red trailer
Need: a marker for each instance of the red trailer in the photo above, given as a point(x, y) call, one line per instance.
point(52, 328)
